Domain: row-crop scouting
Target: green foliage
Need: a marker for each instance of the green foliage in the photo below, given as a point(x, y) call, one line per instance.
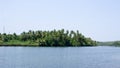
point(48, 38)
point(110, 43)
point(116, 43)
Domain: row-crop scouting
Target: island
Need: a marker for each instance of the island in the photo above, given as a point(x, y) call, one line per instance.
point(53, 38)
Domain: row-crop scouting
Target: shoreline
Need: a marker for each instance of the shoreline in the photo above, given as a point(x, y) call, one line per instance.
point(16, 45)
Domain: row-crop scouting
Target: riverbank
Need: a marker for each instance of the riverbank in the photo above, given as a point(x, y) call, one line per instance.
point(34, 44)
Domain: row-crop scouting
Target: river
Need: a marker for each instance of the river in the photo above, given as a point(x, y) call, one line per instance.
point(60, 57)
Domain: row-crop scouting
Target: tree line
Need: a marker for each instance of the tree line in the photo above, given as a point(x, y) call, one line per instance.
point(48, 38)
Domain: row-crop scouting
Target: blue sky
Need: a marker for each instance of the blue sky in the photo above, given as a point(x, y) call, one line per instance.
point(98, 19)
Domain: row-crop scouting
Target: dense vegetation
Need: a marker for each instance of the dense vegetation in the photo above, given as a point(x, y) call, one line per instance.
point(46, 38)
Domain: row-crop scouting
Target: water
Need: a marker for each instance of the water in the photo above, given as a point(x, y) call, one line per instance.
point(60, 57)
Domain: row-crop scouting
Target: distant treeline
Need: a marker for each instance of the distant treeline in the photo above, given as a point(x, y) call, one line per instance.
point(55, 38)
point(110, 43)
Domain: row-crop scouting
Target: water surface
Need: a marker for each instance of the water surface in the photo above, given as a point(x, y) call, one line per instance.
point(60, 57)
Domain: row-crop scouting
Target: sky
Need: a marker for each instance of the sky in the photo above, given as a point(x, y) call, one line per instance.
point(98, 19)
